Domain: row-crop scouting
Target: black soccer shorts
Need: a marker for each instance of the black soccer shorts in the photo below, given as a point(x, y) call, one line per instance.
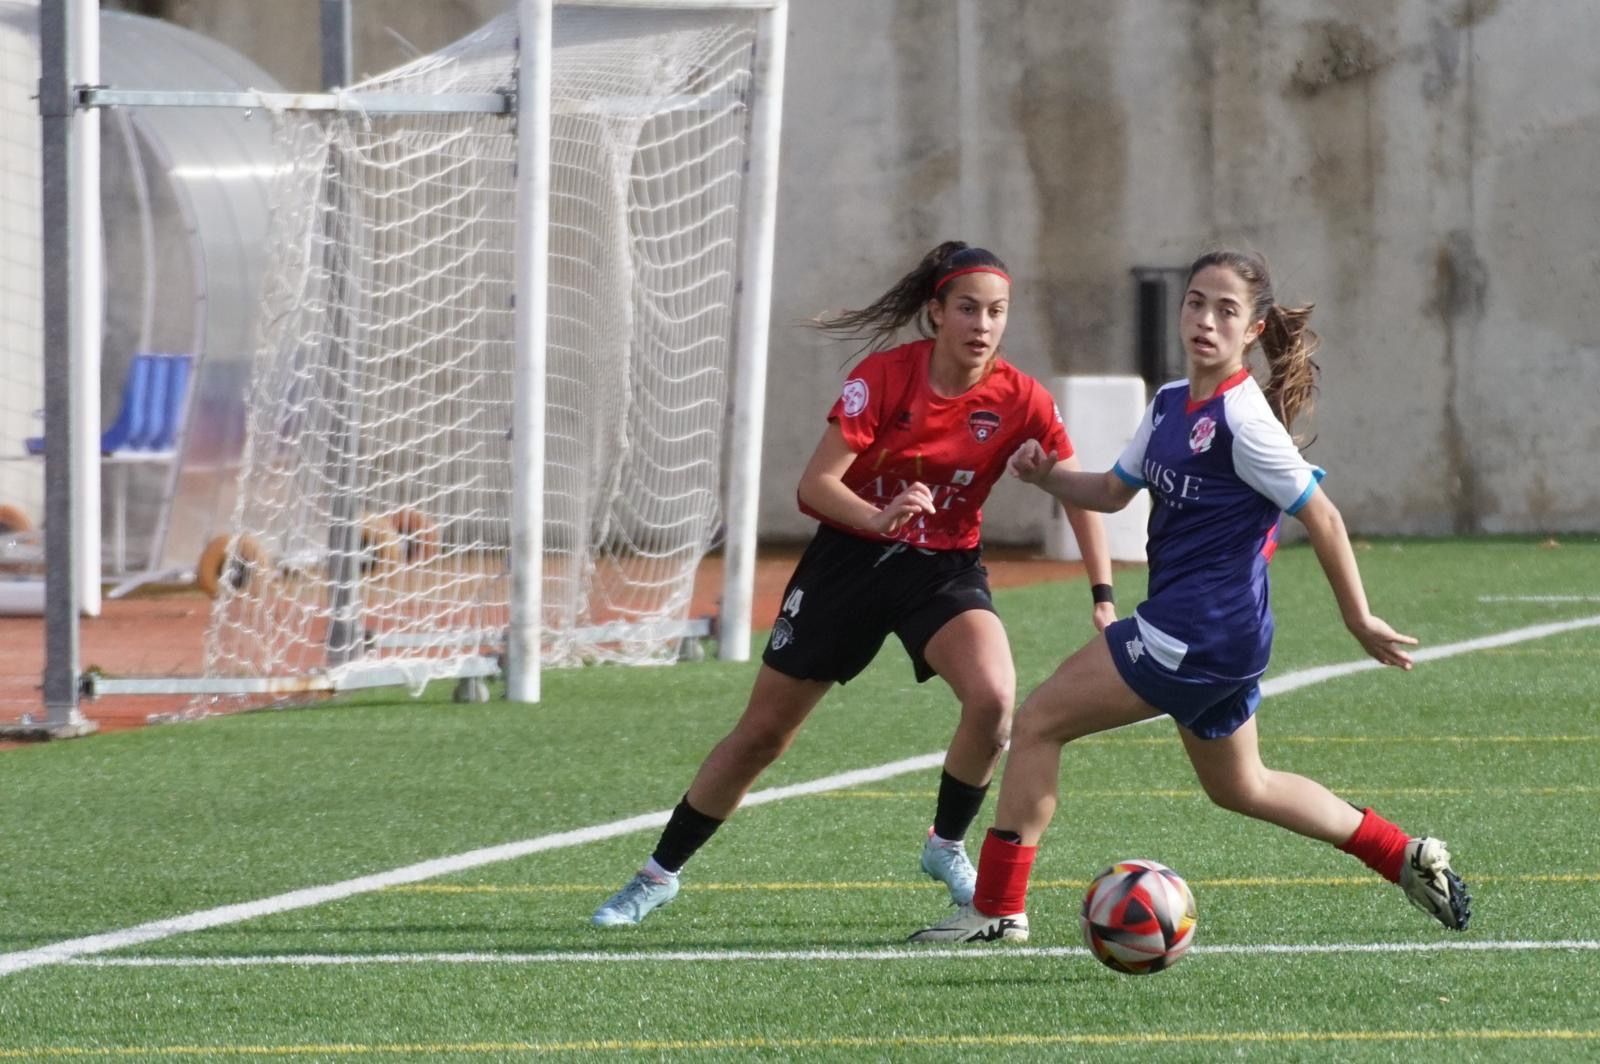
point(847, 594)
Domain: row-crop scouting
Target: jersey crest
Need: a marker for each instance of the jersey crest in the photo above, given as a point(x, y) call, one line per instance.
point(1200, 437)
point(984, 424)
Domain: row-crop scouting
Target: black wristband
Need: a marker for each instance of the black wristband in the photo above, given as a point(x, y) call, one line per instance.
point(1102, 593)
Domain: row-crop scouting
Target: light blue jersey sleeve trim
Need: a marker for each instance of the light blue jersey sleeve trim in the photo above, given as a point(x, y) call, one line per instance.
point(1317, 473)
point(1127, 477)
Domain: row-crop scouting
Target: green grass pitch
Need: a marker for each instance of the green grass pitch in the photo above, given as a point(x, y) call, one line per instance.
point(787, 941)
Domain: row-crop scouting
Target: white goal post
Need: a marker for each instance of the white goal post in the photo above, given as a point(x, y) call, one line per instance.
point(511, 371)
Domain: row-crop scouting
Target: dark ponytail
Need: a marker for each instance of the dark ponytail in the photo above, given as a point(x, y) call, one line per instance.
point(878, 323)
point(1286, 338)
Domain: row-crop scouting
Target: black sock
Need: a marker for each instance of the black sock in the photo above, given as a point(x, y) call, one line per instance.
point(686, 831)
point(958, 807)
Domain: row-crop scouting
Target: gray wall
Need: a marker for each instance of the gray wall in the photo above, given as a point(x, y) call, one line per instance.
point(1422, 170)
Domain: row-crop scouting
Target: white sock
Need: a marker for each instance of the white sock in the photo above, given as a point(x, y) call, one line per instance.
point(657, 871)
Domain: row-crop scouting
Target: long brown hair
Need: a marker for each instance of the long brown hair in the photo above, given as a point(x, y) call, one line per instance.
point(1286, 339)
point(877, 323)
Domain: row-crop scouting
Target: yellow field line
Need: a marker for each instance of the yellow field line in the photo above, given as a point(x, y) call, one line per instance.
point(880, 1042)
point(919, 884)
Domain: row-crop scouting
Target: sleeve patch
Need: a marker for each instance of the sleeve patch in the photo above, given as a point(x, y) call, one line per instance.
point(854, 396)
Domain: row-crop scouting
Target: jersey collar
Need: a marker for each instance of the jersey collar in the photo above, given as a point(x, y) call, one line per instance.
point(1191, 405)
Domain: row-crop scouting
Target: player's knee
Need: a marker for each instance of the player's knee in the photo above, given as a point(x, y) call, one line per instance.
point(1237, 794)
point(1035, 725)
point(989, 713)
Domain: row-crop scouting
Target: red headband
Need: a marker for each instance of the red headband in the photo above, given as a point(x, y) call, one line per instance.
point(953, 274)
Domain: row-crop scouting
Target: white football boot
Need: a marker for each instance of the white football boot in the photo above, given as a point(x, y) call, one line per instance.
point(1427, 879)
point(642, 895)
point(948, 862)
point(969, 925)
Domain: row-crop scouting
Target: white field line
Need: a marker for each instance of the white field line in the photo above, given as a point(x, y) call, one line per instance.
point(915, 953)
point(67, 950)
point(59, 952)
point(1550, 599)
point(1306, 677)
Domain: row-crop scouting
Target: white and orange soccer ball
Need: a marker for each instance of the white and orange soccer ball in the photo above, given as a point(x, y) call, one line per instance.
point(1138, 917)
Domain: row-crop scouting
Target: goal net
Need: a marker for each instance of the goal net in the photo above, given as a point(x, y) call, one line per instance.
point(372, 535)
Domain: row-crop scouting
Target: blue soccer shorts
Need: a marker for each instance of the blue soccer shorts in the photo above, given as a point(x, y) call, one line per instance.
point(1208, 707)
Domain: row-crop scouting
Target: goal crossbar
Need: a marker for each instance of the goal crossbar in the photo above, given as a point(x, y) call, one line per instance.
point(372, 103)
point(376, 103)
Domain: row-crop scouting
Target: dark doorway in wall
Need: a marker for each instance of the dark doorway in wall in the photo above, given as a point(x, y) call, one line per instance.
point(151, 8)
point(1158, 349)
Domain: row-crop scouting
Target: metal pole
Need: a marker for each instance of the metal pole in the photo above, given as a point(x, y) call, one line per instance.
point(535, 22)
point(346, 553)
point(88, 306)
point(338, 53)
point(72, 360)
point(756, 243)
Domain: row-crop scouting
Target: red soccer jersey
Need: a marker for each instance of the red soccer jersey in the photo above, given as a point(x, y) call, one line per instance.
point(903, 432)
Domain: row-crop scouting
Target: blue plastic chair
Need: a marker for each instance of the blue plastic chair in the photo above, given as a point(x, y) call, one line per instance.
point(174, 396)
point(154, 422)
point(150, 412)
point(134, 411)
point(149, 420)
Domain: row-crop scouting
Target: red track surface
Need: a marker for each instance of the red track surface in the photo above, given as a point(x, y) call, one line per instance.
point(163, 634)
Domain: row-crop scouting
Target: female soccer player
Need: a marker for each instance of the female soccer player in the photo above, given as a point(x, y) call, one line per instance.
point(917, 437)
point(1216, 455)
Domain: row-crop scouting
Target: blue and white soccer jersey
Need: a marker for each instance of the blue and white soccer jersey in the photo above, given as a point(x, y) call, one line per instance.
point(1221, 472)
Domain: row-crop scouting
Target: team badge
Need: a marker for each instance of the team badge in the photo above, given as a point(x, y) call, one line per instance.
point(984, 424)
point(782, 633)
point(854, 396)
point(962, 477)
point(1200, 437)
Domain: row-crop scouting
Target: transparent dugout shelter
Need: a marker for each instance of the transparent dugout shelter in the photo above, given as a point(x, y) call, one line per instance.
point(185, 208)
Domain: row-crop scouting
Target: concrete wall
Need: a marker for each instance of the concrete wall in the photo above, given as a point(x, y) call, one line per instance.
point(1423, 170)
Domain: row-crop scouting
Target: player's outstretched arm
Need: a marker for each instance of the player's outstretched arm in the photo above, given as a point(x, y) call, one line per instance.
point(1104, 492)
point(1093, 547)
point(1325, 526)
point(822, 488)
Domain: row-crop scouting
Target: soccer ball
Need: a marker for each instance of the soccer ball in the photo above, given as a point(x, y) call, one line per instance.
point(1138, 917)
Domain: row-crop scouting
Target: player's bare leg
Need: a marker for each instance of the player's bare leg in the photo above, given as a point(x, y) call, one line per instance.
point(1231, 771)
point(1233, 776)
point(1084, 696)
point(970, 652)
point(778, 706)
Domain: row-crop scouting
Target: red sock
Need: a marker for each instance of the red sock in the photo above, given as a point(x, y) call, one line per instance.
point(1380, 844)
point(1003, 870)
